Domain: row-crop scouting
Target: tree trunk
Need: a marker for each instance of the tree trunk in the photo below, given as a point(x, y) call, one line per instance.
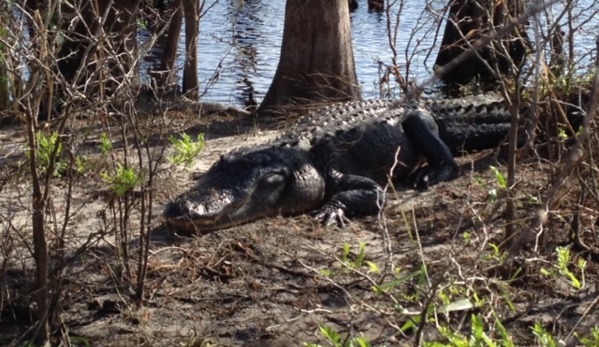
point(4, 91)
point(470, 20)
point(317, 62)
point(170, 49)
point(190, 70)
point(40, 245)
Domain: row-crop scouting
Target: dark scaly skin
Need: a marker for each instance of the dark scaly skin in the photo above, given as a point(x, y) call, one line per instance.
point(334, 162)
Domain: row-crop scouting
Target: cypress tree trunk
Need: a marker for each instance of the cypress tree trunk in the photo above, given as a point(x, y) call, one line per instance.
point(473, 19)
point(317, 62)
point(192, 27)
point(4, 92)
point(170, 49)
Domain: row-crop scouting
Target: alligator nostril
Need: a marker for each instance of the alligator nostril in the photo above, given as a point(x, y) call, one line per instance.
point(174, 210)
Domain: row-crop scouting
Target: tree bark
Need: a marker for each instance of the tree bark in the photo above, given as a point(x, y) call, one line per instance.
point(170, 49)
point(122, 25)
point(192, 26)
point(4, 91)
point(470, 20)
point(40, 244)
point(316, 62)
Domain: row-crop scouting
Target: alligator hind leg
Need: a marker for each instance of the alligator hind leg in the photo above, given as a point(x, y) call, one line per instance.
point(441, 165)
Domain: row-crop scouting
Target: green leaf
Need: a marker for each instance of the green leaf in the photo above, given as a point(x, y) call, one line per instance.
point(394, 283)
point(412, 323)
point(346, 250)
point(76, 340)
point(326, 272)
point(105, 144)
point(123, 181)
point(374, 268)
point(186, 150)
point(546, 272)
point(377, 290)
point(360, 260)
point(330, 334)
point(501, 180)
point(460, 305)
point(506, 338)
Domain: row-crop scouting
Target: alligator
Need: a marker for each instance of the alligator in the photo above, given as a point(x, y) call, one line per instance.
point(334, 162)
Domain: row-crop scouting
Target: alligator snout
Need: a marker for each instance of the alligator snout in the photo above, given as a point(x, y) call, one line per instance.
point(203, 210)
point(203, 206)
point(175, 210)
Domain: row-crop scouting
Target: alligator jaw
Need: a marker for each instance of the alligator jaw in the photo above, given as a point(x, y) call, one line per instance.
point(188, 224)
point(185, 223)
point(200, 210)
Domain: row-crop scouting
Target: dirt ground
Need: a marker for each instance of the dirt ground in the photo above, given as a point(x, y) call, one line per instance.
point(274, 281)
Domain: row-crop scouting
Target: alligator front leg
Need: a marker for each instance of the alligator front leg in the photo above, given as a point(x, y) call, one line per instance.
point(352, 195)
point(441, 165)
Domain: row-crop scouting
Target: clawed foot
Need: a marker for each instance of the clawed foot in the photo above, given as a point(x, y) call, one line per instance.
point(431, 175)
point(421, 180)
point(331, 213)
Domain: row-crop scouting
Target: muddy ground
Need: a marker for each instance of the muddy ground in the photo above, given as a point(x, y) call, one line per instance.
point(273, 282)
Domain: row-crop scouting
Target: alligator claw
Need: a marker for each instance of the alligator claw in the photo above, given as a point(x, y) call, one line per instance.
point(421, 181)
point(433, 174)
point(331, 215)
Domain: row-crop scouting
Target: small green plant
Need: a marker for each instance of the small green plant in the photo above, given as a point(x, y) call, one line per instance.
point(492, 191)
point(544, 338)
point(326, 272)
point(499, 177)
point(186, 149)
point(45, 150)
point(562, 135)
point(496, 253)
point(79, 341)
point(142, 24)
point(355, 264)
point(81, 164)
point(333, 338)
point(386, 287)
point(124, 180)
point(467, 237)
point(105, 144)
point(506, 338)
point(590, 341)
point(478, 337)
point(563, 260)
point(359, 262)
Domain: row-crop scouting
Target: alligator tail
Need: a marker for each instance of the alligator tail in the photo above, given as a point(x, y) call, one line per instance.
point(471, 124)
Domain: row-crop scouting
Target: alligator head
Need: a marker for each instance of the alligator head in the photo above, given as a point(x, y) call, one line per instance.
point(246, 185)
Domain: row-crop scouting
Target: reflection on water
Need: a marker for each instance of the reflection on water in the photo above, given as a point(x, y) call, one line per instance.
point(240, 43)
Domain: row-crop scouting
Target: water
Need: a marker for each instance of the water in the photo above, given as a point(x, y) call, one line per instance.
point(239, 44)
point(240, 41)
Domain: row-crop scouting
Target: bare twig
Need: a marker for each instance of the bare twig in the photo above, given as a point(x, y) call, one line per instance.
point(572, 159)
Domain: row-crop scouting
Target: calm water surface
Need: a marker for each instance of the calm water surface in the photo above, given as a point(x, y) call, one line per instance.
point(240, 44)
